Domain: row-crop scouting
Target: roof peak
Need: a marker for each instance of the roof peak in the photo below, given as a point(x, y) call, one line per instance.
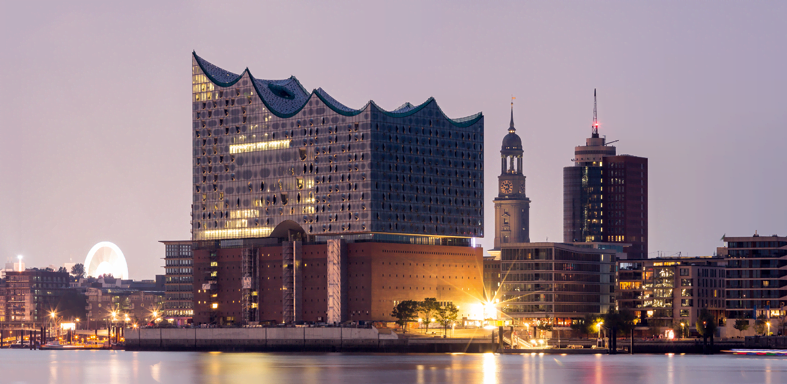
point(286, 98)
point(511, 128)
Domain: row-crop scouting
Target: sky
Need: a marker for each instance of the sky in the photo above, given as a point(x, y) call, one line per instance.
point(95, 104)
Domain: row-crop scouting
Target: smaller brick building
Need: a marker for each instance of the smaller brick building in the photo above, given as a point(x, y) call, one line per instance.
point(275, 281)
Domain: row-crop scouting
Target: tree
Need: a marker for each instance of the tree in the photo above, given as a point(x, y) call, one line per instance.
point(706, 327)
point(759, 324)
point(427, 308)
point(72, 305)
point(78, 270)
point(680, 328)
point(587, 325)
point(446, 314)
point(741, 325)
point(405, 312)
point(617, 321)
point(62, 270)
point(782, 322)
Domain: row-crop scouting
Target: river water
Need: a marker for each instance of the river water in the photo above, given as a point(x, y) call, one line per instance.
point(120, 367)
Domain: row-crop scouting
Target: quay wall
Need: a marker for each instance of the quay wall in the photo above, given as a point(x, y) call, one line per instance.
point(292, 340)
point(766, 342)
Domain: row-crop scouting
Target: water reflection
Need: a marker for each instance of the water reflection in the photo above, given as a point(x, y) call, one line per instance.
point(490, 368)
point(23, 366)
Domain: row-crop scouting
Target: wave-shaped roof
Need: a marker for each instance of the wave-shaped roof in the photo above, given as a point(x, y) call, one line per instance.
point(285, 98)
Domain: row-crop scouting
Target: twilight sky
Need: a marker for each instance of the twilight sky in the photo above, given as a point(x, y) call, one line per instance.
point(95, 104)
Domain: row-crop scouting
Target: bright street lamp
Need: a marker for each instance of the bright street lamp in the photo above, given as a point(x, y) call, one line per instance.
point(600, 323)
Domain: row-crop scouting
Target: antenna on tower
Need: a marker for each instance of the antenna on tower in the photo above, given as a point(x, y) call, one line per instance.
point(595, 114)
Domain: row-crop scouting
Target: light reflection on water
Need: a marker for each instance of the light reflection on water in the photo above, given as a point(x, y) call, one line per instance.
point(119, 367)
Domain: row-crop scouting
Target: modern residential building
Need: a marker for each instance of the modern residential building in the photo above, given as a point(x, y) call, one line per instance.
point(605, 196)
point(756, 275)
point(32, 294)
point(666, 291)
point(307, 210)
point(556, 282)
point(179, 303)
point(115, 305)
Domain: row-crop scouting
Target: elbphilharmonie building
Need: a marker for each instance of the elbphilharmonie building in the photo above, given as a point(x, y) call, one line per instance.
point(270, 156)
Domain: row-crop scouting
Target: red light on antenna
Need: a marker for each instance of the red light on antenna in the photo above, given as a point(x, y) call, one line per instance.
point(595, 124)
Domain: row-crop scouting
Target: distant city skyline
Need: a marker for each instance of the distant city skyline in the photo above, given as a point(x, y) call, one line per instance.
point(97, 108)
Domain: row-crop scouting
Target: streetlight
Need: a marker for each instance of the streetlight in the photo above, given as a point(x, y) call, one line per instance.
point(600, 323)
point(53, 317)
point(769, 328)
point(682, 324)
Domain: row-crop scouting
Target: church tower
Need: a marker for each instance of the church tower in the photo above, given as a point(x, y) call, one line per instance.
point(512, 207)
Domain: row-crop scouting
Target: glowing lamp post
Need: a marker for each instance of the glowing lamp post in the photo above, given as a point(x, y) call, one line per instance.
point(600, 323)
point(682, 325)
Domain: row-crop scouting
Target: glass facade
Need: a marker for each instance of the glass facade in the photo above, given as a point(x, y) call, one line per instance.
point(179, 295)
point(582, 200)
point(268, 152)
point(664, 291)
point(557, 281)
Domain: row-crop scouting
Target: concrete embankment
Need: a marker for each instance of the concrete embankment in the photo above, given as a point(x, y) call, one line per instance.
point(766, 342)
point(292, 340)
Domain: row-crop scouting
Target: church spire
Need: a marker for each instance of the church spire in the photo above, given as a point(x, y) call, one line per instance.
point(511, 128)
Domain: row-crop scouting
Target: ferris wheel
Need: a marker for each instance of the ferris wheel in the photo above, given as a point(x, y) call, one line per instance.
point(106, 258)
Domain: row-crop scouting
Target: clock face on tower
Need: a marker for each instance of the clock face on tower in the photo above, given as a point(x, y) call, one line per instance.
point(507, 186)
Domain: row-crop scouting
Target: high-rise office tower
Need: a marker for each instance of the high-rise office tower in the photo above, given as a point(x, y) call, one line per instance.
point(605, 196)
